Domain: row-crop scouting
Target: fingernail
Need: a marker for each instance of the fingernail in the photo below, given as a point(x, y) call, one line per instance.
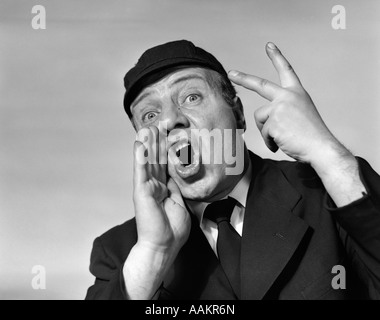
point(233, 73)
point(271, 46)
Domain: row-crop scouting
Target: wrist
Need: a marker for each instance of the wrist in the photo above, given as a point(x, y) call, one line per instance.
point(154, 250)
point(145, 269)
point(338, 170)
point(331, 160)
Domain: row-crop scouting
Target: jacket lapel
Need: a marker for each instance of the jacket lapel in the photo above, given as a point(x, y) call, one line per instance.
point(196, 272)
point(271, 232)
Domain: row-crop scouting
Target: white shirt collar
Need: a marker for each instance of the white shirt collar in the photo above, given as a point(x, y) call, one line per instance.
point(239, 193)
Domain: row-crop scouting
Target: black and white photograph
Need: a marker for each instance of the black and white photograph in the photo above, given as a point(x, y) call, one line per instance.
point(189, 150)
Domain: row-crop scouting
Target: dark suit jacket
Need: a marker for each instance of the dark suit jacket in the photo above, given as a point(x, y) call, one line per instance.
point(293, 236)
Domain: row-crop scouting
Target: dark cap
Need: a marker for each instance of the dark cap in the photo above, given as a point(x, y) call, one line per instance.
point(159, 61)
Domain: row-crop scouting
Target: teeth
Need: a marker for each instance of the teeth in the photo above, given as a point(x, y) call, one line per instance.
point(181, 146)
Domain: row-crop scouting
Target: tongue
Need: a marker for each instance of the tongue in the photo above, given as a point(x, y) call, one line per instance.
point(185, 155)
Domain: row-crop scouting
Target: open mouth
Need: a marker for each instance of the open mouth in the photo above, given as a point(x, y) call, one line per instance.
point(185, 154)
point(185, 159)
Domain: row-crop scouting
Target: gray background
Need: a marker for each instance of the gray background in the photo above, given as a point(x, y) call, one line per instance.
point(66, 144)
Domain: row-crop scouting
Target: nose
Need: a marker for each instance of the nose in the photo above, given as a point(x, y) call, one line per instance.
point(173, 118)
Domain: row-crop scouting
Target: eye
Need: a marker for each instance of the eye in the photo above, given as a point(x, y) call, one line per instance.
point(192, 98)
point(149, 116)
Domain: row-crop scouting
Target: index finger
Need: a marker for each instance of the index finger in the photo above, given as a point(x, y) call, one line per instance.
point(139, 164)
point(288, 78)
point(263, 87)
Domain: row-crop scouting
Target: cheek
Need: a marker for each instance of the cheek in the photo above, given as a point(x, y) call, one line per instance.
point(224, 117)
point(221, 117)
point(219, 123)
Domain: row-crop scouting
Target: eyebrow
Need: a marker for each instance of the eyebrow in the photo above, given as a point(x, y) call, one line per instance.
point(176, 81)
point(140, 98)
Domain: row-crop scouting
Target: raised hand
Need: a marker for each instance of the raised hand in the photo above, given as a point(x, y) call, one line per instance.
point(162, 221)
point(290, 121)
point(161, 216)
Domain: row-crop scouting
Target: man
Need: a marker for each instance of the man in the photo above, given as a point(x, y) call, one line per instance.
point(288, 223)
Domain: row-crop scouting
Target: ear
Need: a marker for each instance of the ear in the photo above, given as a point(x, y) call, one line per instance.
point(239, 114)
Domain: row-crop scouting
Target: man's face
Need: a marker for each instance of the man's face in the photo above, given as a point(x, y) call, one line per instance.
point(185, 101)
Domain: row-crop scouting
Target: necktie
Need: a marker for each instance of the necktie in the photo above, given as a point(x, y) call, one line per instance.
point(228, 242)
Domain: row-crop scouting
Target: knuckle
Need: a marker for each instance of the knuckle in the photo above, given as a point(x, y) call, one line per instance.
point(259, 125)
point(154, 130)
point(257, 113)
point(276, 118)
point(288, 67)
point(281, 107)
point(143, 134)
point(263, 83)
point(261, 115)
point(242, 75)
point(273, 130)
point(288, 97)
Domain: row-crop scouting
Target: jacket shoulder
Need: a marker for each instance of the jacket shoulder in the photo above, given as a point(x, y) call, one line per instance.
point(119, 240)
point(299, 175)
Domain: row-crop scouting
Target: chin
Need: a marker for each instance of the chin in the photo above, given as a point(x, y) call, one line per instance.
point(199, 190)
point(195, 195)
